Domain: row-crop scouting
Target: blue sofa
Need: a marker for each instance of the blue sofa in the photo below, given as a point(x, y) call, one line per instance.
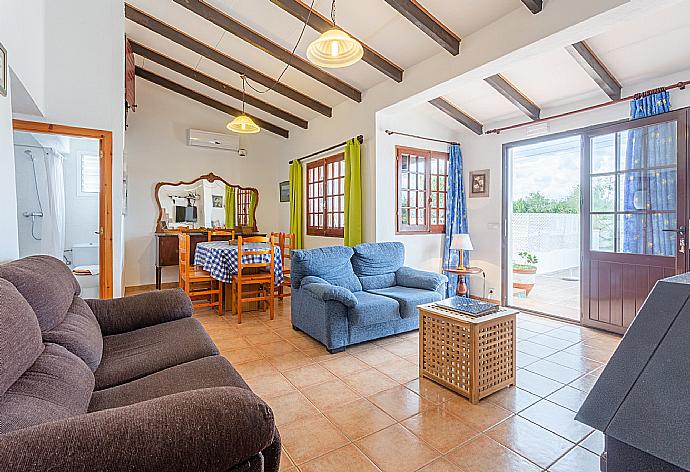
point(343, 296)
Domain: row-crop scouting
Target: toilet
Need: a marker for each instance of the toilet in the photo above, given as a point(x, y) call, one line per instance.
point(86, 268)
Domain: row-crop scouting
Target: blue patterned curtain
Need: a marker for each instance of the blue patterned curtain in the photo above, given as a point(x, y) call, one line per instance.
point(456, 215)
point(655, 189)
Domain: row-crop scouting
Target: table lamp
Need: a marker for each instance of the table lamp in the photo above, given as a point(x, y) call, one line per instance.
point(461, 242)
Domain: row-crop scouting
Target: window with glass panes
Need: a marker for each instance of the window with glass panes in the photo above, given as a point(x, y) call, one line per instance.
point(243, 198)
point(326, 196)
point(421, 190)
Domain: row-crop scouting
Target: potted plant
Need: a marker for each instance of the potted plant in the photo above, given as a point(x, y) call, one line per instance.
point(525, 272)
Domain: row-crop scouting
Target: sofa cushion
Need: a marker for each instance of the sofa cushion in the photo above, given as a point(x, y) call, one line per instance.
point(372, 309)
point(409, 298)
point(57, 386)
point(330, 263)
point(375, 263)
point(209, 372)
point(80, 333)
point(47, 284)
point(20, 336)
point(133, 355)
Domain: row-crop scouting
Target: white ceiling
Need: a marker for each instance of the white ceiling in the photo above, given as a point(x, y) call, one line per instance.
point(372, 21)
point(633, 53)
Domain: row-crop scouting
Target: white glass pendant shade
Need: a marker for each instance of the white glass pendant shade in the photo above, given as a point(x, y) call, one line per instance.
point(243, 125)
point(335, 48)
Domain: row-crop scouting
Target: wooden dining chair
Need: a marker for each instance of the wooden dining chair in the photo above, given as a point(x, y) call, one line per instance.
point(221, 233)
point(196, 282)
point(286, 242)
point(254, 279)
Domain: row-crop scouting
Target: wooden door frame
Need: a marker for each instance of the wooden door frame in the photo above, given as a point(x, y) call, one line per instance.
point(105, 139)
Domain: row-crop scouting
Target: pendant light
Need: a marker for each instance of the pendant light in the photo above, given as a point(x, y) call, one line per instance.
point(335, 48)
point(243, 124)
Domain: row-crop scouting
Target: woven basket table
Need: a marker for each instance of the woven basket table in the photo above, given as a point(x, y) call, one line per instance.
point(474, 357)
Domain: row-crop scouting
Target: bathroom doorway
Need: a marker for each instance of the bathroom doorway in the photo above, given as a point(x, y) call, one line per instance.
point(64, 199)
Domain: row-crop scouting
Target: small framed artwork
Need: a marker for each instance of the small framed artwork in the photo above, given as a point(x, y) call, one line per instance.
point(217, 201)
point(4, 79)
point(479, 183)
point(284, 191)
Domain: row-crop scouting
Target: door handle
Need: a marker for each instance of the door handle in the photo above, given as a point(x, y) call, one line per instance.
point(680, 232)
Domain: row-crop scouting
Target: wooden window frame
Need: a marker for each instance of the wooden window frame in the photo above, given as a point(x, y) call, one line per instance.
point(324, 230)
point(428, 155)
point(243, 203)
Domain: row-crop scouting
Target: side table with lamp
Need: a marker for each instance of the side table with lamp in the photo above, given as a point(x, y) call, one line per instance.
point(462, 242)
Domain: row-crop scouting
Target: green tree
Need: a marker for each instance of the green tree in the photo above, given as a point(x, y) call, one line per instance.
point(535, 202)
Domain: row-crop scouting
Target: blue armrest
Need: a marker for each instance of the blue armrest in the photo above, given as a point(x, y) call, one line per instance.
point(325, 291)
point(413, 278)
point(312, 279)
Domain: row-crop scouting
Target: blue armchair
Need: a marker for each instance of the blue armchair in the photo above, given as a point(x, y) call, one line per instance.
point(343, 296)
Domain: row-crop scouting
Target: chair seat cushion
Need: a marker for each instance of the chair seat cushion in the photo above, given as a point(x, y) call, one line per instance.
point(373, 309)
point(133, 355)
point(409, 298)
point(209, 372)
point(57, 386)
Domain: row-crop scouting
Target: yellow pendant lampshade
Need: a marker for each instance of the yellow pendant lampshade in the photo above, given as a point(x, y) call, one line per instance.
point(243, 125)
point(335, 48)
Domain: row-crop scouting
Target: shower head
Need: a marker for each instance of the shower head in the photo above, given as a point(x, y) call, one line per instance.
point(29, 154)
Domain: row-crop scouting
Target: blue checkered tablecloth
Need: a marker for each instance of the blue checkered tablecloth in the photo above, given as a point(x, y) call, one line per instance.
point(219, 258)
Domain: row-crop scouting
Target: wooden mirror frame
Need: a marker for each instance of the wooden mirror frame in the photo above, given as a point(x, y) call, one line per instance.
point(211, 177)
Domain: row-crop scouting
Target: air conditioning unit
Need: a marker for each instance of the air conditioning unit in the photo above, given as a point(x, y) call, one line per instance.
point(207, 139)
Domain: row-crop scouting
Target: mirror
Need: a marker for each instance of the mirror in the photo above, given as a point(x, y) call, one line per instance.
point(206, 202)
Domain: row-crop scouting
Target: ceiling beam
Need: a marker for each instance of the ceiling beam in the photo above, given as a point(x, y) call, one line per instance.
point(177, 36)
point(458, 115)
point(535, 6)
point(426, 22)
point(514, 96)
point(320, 23)
point(208, 101)
point(180, 68)
point(596, 69)
point(260, 41)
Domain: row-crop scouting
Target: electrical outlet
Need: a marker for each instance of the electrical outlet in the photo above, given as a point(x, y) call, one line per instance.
point(492, 292)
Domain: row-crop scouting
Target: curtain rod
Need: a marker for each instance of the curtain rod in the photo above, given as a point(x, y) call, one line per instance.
point(679, 85)
point(360, 138)
point(389, 133)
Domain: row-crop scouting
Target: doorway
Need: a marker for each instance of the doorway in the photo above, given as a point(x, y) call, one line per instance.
point(64, 193)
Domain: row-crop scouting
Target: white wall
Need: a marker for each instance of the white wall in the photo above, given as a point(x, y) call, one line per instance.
point(9, 239)
point(81, 209)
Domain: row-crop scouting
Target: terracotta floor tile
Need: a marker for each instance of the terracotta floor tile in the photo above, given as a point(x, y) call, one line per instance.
point(375, 355)
point(606, 342)
point(402, 348)
point(290, 360)
point(286, 463)
point(321, 354)
point(431, 391)
point(384, 341)
point(344, 366)
point(552, 342)
point(305, 343)
point(239, 356)
point(361, 347)
point(231, 344)
point(534, 327)
point(270, 385)
point(308, 439)
point(594, 442)
point(479, 417)
point(536, 384)
point(440, 429)
point(291, 407)
point(568, 397)
point(524, 334)
point(557, 419)
point(369, 382)
point(441, 465)
point(265, 338)
point(277, 348)
point(359, 418)
point(395, 449)
point(574, 361)
point(400, 370)
point(585, 383)
point(513, 399)
point(577, 460)
point(530, 441)
point(554, 371)
point(258, 368)
point(345, 459)
point(400, 402)
point(414, 358)
point(308, 375)
point(590, 352)
point(330, 393)
point(567, 334)
point(483, 454)
point(534, 349)
point(523, 359)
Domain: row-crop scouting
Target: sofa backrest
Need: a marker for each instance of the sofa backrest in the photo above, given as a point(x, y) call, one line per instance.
point(332, 264)
point(376, 263)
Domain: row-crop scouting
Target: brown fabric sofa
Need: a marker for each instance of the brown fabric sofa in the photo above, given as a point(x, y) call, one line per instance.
point(133, 384)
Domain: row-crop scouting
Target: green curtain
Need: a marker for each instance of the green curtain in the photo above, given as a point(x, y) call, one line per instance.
point(252, 208)
point(229, 207)
point(296, 203)
point(353, 194)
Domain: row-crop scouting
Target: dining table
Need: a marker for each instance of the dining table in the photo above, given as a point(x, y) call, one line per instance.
point(219, 258)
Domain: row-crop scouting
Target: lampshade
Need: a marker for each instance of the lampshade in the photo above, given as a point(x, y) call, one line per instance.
point(461, 242)
point(335, 48)
point(243, 125)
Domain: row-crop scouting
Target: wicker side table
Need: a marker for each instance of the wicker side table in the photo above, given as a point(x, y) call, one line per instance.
point(474, 357)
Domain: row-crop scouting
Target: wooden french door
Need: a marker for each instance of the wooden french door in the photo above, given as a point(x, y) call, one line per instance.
point(634, 215)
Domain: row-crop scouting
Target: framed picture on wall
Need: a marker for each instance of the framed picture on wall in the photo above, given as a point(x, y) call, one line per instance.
point(4, 79)
point(284, 191)
point(479, 183)
point(217, 201)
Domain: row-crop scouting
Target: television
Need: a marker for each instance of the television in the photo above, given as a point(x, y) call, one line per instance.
point(185, 214)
